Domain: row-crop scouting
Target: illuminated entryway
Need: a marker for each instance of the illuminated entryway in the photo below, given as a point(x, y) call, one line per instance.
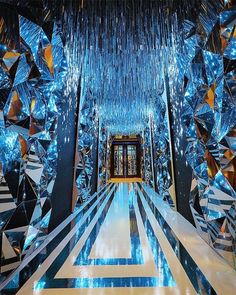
point(125, 157)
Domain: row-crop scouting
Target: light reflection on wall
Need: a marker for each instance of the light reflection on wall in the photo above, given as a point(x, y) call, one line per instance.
point(31, 79)
point(206, 109)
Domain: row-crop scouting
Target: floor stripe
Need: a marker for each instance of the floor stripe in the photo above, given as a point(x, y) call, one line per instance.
point(148, 269)
point(75, 242)
point(57, 234)
point(114, 241)
point(136, 256)
point(198, 280)
point(220, 275)
point(182, 280)
point(37, 275)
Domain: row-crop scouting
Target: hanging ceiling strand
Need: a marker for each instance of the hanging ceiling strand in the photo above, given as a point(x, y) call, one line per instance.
point(121, 49)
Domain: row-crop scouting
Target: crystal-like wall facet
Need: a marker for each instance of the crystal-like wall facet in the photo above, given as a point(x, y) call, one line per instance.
point(31, 77)
point(209, 115)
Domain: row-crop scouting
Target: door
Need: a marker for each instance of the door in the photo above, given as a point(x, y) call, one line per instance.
point(125, 160)
point(118, 161)
point(131, 160)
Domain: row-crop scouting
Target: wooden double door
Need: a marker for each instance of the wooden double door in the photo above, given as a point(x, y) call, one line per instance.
point(125, 161)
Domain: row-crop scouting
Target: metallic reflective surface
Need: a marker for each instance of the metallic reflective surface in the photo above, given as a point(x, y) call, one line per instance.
point(31, 81)
point(209, 115)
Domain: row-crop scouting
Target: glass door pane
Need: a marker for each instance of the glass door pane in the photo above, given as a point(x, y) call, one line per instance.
point(118, 160)
point(132, 160)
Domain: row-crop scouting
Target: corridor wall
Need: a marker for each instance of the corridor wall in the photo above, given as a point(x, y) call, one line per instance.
point(32, 69)
point(162, 158)
point(103, 154)
point(207, 67)
point(87, 145)
point(147, 162)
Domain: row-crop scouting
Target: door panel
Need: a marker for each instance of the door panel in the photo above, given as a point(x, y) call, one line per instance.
point(131, 160)
point(118, 160)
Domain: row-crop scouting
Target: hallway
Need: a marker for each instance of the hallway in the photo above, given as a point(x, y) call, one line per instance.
point(118, 147)
point(126, 240)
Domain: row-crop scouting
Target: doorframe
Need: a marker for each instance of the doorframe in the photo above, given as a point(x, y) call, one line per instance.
point(125, 142)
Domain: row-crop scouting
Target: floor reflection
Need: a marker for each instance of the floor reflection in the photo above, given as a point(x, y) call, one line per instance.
point(125, 242)
point(122, 207)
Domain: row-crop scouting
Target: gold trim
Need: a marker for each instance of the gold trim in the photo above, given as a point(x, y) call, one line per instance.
point(134, 179)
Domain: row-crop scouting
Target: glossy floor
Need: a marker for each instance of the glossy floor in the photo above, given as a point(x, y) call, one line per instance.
point(128, 241)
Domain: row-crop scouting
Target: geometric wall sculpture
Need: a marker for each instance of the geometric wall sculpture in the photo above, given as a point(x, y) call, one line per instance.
point(87, 144)
point(161, 152)
point(103, 151)
point(31, 78)
point(108, 159)
point(209, 114)
point(147, 155)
